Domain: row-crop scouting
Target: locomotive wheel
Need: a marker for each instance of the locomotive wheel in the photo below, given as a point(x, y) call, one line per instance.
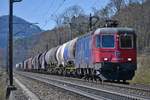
point(84, 74)
point(118, 81)
point(78, 71)
point(64, 72)
point(93, 75)
point(88, 74)
point(124, 81)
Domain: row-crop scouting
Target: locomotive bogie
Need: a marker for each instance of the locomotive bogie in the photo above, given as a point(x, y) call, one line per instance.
point(118, 71)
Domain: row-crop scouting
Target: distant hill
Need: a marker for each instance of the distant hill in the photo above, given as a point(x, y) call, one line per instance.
point(22, 29)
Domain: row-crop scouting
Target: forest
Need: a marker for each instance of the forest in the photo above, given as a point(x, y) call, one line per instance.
point(74, 22)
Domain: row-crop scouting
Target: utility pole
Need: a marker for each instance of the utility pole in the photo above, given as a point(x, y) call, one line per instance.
point(10, 48)
point(71, 34)
point(10, 43)
point(91, 24)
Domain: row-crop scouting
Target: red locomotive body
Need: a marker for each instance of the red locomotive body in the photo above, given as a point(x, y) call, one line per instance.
point(114, 51)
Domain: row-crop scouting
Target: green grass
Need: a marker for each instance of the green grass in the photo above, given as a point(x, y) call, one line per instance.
point(142, 74)
point(2, 86)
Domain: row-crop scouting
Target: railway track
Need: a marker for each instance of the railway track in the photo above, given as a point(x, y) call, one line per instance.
point(96, 93)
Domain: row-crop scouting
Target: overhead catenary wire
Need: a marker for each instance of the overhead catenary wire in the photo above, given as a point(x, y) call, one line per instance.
point(60, 5)
point(46, 14)
point(54, 12)
point(49, 8)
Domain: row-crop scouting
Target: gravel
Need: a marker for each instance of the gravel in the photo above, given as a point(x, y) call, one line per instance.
point(19, 93)
point(99, 85)
point(47, 92)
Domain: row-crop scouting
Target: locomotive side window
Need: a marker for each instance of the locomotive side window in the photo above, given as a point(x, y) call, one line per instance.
point(108, 41)
point(126, 41)
point(98, 41)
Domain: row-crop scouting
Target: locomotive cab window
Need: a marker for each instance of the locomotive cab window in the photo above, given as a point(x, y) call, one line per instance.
point(126, 41)
point(98, 41)
point(108, 41)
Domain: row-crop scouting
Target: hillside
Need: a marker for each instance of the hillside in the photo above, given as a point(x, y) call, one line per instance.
point(142, 74)
point(134, 14)
point(137, 16)
point(22, 29)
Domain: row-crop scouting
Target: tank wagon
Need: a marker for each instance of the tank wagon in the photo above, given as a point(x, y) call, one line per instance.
point(51, 60)
point(107, 53)
point(42, 61)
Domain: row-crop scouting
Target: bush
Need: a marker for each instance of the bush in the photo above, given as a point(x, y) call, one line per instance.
point(143, 72)
point(2, 86)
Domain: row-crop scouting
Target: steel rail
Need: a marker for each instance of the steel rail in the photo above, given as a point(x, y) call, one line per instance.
point(91, 92)
point(125, 86)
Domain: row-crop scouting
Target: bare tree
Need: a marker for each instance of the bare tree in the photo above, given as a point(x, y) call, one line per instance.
point(117, 5)
point(73, 11)
point(58, 19)
point(135, 1)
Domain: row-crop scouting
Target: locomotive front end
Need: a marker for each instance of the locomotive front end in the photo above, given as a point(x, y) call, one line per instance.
point(115, 53)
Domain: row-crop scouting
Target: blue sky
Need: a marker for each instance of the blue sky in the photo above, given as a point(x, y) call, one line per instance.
point(39, 11)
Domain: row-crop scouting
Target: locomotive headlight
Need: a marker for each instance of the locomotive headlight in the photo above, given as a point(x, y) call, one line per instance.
point(129, 59)
point(105, 59)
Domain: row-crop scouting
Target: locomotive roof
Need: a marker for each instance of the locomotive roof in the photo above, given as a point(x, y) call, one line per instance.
point(108, 30)
point(114, 30)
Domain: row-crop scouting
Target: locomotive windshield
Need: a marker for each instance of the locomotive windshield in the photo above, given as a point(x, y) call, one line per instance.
point(126, 41)
point(108, 41)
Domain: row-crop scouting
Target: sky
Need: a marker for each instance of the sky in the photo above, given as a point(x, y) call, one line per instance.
point(40, 11)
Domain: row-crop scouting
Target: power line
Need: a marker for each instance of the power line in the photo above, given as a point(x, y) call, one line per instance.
point(45, 17)
point(51, 4)
point(46, 21)
point(54, 12)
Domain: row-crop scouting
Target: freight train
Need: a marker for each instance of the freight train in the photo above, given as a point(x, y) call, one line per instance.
point(107, 53)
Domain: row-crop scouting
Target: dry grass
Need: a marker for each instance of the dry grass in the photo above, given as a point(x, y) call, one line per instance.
point(2, 86)
point(143, 72)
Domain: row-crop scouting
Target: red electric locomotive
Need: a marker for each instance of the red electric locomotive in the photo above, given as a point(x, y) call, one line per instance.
point(109, 53)
point(114, 53)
